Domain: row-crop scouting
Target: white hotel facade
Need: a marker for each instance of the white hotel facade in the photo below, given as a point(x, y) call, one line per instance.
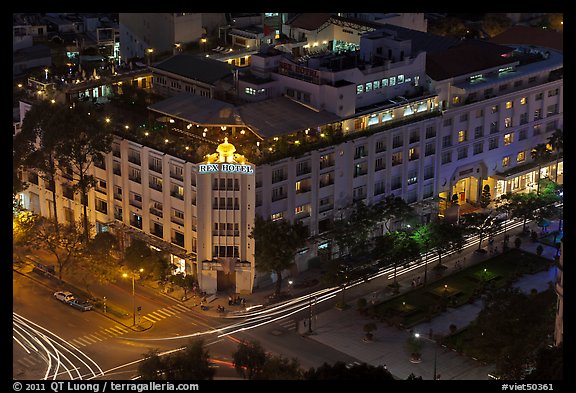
point(410, 126)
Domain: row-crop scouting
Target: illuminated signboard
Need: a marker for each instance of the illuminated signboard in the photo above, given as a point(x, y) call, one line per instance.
point(225, 168)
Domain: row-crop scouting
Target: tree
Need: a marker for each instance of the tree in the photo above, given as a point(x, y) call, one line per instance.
point(139, 255)
point(480, 224)
point(392, 209)
point(556, 143)
point(548, 365)
point(485, 197)
point(352, 234)
point(190, 363)
point(510, 329)
point(249, 359)
point(340, 371)
point(540, 154)
point(184, 281)
point(87, 142)
point(276, 243)
point(396, 248)
point(23, 226)
point(65, 243)
point(494, 24)
point(152, 367)
point(528, 205)
point(281, 368)
point(38, 142)
point(423, 238)
point(99, 258)
point(445, 237)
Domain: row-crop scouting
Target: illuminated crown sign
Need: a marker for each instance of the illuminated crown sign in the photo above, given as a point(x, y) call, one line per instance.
point(226, 151)
point(225, 160)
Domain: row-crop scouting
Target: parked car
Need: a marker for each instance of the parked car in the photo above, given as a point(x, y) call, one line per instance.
point(64, 296)
point(81, 304)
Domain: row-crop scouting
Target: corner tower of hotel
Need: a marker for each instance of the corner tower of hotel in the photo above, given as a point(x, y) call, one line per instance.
point(226, 191)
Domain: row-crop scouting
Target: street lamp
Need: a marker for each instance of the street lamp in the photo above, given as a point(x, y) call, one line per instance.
point(133, 296)
point(310, 316)
point(149, 52)
point(435, 375)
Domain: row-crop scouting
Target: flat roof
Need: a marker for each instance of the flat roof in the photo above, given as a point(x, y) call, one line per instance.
point(197, 109)
point(281, 115)
point(468, 57)
point(273, 117)
point(203, 69)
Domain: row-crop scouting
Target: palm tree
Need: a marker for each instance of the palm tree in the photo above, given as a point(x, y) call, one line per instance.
point(556, 142)
point(540, 154)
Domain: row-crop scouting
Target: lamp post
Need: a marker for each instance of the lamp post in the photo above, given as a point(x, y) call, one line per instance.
point(435, 375)
point(133, 295)
point(310, 317)
point(149, 52)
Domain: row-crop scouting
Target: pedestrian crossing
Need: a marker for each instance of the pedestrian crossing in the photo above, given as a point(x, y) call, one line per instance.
point(119, 330)
point(288, 324)
point(163, 313)
point(30, 362)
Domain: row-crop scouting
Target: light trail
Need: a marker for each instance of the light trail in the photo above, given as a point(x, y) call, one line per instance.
point(61, 357)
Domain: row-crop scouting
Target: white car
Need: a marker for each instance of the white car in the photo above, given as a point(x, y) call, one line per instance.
point(64, 296)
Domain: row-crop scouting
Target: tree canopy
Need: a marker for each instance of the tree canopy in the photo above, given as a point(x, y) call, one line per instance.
point(276, 243)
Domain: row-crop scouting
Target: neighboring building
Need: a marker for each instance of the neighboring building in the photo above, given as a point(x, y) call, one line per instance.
point(559, 322)
point(410, 115)
point(194, 74)
point(162, 31)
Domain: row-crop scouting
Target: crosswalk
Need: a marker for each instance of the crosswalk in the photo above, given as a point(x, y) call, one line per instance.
point(288, 324)
point(166, 312)
point(119, 330)
point(30, 362)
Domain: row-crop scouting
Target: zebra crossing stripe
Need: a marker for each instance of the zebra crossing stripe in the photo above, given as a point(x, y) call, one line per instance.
point(27, 362)
point(181, 307)
point(150, 319)
point(92, 338)
point(164, 312)
point(117, 330)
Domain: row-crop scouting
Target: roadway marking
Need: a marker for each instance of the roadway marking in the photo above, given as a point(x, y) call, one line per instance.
point(288, 324)
point(28, 362)
point(117, 330)
point(101, 335)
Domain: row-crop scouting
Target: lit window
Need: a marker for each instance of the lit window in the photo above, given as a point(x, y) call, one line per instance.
point(509, 104)
point(359, 89)
point(277, 216)
point(392, 80)
point(462, 136)
point(456, 100)
point(508, 139)
point(368, 86)
point(523, 101)
point(505, 161)
point(521, 156)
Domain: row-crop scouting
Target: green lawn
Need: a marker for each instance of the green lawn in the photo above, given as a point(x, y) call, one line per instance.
point(457, 288)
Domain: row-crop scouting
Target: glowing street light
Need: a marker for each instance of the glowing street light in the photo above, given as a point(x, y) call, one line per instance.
point(133, 295)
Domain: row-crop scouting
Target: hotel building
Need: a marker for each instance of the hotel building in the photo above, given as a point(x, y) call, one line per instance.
point(409, 114)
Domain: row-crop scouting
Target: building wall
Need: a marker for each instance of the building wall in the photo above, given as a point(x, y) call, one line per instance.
point(559, 322)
